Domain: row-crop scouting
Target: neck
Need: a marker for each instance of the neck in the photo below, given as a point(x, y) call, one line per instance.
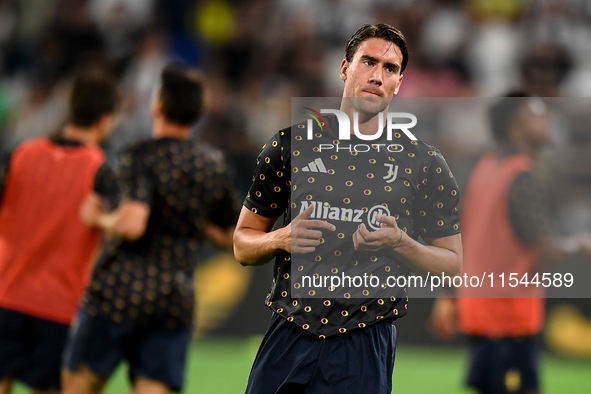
point(163, 129)
point(368, 124)
point(525, 148)
point(86, 136)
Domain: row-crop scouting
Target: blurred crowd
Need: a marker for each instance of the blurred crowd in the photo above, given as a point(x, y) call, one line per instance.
point(257, 54)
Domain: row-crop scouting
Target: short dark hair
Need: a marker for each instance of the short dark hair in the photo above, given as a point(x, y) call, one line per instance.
point(182, 94)
point(380, 30)
point(92, 97)
point(502, 113)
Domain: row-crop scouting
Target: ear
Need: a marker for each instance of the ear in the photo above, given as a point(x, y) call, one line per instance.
point(106, 122)
point(344, 67)
point(398, 84)
point(157, 108)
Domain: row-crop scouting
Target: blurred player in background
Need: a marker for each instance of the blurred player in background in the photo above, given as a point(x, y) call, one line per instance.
point(139, 305)
point(506, 227)
point(45, 250)
point(342, 345)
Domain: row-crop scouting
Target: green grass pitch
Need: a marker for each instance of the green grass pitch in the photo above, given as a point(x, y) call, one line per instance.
point(221, 366)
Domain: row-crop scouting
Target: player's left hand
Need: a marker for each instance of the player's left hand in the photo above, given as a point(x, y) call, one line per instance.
point(584, 241)
point(387, 237)
point(91, 209)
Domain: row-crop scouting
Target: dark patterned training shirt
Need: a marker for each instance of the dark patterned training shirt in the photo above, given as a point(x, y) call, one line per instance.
point(151, 280)
point(528, 209)
point(413, 183)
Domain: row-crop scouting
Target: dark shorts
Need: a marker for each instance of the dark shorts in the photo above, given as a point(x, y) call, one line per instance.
point(503, 365)
point(152, 351)
point(31, 349)
point(290, 361)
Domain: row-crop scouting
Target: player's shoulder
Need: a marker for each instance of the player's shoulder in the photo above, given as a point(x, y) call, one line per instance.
point(283, 136)
point(205, 151)
point(142, 152)
point(33, 143)
point(426, 148)
point(527, 179)
point(138, 146)
point(278, 144)
point(27, 149)
point(285, 133)
point(426, 151)
point(32, 147)
point(153, 146)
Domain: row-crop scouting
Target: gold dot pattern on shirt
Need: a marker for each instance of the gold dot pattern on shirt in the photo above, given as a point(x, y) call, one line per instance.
point(185, 186)
point(414, 198)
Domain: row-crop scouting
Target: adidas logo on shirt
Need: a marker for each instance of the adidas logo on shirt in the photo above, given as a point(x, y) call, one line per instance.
point(315, 166)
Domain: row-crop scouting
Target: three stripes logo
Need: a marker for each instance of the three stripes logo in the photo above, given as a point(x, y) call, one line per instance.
point(315, 166)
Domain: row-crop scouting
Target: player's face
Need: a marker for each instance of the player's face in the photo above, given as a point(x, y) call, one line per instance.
point(533, 121)
point(373, 74)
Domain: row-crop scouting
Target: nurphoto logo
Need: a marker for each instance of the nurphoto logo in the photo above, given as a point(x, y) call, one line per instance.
point(344, 133)
point(345, 124)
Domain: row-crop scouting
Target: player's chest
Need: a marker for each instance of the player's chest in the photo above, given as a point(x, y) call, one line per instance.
point(338, 176)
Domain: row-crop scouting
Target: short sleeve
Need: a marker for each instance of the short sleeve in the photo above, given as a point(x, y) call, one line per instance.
point(269, 194)
point(135, 181)
point(528, 209)
point(436, 203)
point(220, 199)
point(106, 186)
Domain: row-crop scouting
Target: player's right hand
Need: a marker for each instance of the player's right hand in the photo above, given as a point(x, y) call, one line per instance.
point(306, 233)
point(442, 322)
point(90, 209)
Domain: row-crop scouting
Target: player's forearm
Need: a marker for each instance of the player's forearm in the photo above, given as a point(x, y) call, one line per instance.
point(255, 247)
point(106, 221)
point(222, 237)
point(432, 258)
point(119, 224)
